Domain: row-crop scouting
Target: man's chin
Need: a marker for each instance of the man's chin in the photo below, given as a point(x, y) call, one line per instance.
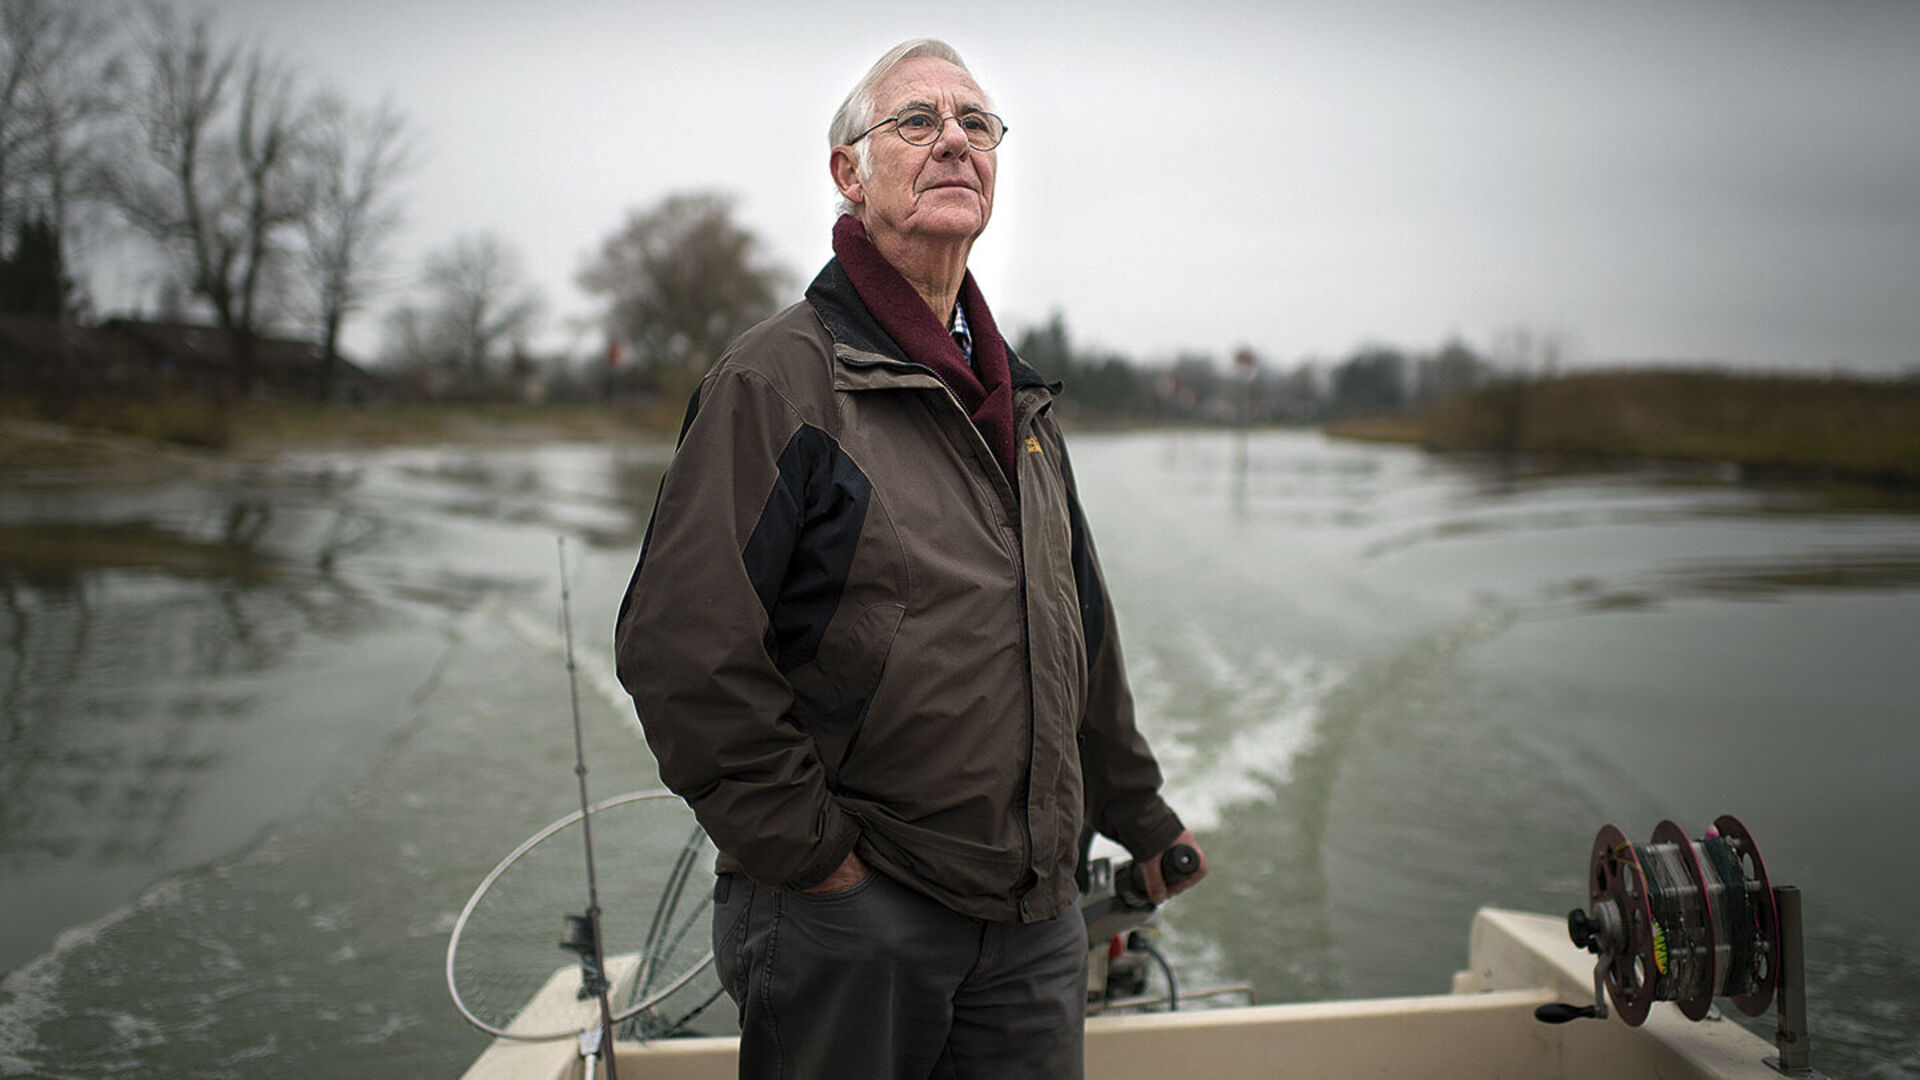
point(949, 224)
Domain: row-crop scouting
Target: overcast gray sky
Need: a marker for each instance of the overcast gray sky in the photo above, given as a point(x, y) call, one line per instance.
point(1726, 180)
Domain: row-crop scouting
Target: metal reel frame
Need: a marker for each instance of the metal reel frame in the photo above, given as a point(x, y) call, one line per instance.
point(1615, 874)
point(1766, 915)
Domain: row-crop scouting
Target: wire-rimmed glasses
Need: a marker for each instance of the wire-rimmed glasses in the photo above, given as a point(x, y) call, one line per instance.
point(920, 126)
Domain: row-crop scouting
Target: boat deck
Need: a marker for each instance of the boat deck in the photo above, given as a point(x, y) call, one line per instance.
point(1484, 1029)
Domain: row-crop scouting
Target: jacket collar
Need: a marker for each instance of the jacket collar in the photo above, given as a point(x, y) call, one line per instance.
point(868, 358)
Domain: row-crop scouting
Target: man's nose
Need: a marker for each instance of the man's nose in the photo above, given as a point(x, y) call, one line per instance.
point(952, 140)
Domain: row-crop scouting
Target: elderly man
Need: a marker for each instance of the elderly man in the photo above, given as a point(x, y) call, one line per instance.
point(870, 645)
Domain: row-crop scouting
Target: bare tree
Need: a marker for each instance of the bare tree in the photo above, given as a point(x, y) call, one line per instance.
point(680, 281)
point(216, 179)
point(408, 339)
point(355, 159)
point(55, 78)
point(267, 138)
point(479, 302)
point(25, 29)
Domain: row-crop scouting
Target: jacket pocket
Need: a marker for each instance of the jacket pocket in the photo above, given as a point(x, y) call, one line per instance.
point(847, 893)
point(831, 694)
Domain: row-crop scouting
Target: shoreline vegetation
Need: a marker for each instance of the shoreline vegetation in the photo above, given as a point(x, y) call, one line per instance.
point(128, 439)
point(1777, 426)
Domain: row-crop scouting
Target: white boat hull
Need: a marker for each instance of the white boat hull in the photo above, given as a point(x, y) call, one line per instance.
point(1483, 1030)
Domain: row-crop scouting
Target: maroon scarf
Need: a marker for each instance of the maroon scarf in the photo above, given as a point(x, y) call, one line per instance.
point(903, 313)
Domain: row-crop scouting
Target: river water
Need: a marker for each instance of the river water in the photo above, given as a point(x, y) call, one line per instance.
point(266, 727)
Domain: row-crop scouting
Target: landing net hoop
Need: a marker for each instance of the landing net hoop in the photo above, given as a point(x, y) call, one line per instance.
point(504, 947)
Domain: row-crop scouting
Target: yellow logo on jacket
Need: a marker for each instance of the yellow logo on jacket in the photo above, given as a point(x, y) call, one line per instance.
point(1033, 445)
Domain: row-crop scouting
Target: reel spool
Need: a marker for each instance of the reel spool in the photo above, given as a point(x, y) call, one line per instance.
point(1680, 920)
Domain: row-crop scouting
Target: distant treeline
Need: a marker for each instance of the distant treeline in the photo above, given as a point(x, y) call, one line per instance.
point(1842, 426)
point(1199, 388)
point(1455, 398)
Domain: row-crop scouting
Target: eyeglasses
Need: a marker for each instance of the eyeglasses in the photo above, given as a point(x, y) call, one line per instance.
point(920, 126)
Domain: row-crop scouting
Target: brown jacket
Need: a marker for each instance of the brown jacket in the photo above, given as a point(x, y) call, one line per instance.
point(847, 632)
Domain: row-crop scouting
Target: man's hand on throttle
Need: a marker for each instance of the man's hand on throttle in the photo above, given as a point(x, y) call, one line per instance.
point(1157, 890)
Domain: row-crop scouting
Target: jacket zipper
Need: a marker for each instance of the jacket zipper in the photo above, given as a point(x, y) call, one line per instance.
point(1023, 424)
point(1022, 889)
point(1019, 551)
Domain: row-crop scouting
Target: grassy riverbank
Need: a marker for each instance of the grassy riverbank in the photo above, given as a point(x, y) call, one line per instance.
point(1848, 427)
point(1792, 425)
point(181, 431)
point(259, 428)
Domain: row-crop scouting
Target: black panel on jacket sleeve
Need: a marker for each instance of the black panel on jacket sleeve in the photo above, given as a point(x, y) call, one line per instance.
point(693, 410)
point(802, 547)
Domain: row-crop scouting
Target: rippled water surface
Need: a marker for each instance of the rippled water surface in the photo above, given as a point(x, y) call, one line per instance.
point(262, 730)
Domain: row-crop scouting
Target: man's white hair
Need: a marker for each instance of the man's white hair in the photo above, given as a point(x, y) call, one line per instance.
point(856, 112)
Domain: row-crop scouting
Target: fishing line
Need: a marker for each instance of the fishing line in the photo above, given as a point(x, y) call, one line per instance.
point(1680, 920)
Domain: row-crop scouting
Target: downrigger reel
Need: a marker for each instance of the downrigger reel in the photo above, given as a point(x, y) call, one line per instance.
point(1686, 921)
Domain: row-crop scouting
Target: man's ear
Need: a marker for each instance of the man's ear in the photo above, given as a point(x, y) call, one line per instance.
point(845, 164)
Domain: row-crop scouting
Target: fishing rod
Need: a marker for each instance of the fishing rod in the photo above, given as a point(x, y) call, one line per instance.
point(583, 931)
point(495, 969)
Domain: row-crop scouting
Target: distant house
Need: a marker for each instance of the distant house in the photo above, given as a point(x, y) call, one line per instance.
point(138, 358)
point(37, 353)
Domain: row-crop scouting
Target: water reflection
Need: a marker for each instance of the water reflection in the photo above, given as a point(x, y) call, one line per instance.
point(126, 667)
point(607, 505)
point(156, 635)
point(1386, 688)
point(56, 554)
point(139, 627)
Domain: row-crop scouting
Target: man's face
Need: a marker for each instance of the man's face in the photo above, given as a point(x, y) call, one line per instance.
point(937, 193)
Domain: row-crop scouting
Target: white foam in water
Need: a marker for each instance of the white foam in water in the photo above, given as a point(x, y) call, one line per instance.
point(32, 989)
point(1272, 709)
point(29, 991)
point(536, 632)
point(130, 1033)
point(265, 1049)
point(1202, 788)
point(605, 682)
point(440, 925)
point(331, 919)
point(593, 666)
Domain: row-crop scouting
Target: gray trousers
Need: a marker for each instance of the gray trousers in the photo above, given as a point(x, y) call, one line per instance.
point(881, 983)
